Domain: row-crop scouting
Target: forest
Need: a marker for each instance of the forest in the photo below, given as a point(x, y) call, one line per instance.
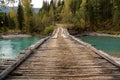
point(77, 15)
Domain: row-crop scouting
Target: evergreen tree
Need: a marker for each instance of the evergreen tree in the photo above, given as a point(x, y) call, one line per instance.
point(75, 5)
point(116, 16)
point(13, 19)
point(28, 15)
point(6, 20)
point(66, 13)
point(20, 16)
point(59, 9)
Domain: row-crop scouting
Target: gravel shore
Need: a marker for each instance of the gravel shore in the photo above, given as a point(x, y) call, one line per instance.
point(15, 36)
point(98, 34)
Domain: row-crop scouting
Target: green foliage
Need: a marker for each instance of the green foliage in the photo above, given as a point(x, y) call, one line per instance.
point(12, 19)
point(93, 15)
point(78, 15)
point(1, 14)
point(116, 16)
point(6, 20)
point(66, 13)
point(20, 16)
point(1, 18)
point(109, 32)
point(28, 16)
point(49, 29)
point(75, 5)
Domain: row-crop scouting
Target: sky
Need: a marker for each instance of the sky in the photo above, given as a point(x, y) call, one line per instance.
point(36, 3)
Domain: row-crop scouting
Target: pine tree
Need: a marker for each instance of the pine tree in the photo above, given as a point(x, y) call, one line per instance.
point(20, 16)
point(13, 19)
point(59, 9)
point(6, 20)
point(28, 14)
point(75, 5)
point(116, 16)
point(66, 13)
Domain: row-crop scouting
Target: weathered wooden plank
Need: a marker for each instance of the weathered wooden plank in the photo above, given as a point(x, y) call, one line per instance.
point(101, 53)
point(68, 75)
point(63, 58)
point(28, 52)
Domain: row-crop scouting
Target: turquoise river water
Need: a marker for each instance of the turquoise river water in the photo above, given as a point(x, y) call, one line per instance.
point(110, 45)
point(11, 48)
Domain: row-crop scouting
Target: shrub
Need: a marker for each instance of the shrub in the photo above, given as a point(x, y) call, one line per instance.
point(49, 29)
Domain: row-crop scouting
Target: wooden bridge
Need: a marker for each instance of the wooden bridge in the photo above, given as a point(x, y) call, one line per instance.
point(61, 57)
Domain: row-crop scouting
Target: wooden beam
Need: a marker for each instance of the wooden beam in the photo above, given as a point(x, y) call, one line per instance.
point(28, 52)
point(98, 52)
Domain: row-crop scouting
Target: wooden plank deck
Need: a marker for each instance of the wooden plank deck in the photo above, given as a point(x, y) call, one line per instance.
point(62, 58)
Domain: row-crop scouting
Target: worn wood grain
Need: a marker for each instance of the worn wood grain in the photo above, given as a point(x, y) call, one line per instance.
point(63, 57)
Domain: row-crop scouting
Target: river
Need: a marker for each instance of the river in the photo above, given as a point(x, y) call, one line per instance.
point(110, 45)
point(11, 48)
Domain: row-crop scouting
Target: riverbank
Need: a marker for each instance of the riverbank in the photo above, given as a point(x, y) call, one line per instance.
point(96, 34)
point(15, 35)
point(116, 57)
